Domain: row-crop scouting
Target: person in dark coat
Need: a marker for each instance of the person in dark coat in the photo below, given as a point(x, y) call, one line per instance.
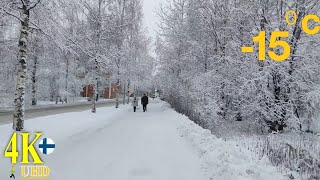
point(144, 102)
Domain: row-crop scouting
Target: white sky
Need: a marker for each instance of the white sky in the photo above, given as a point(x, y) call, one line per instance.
point(150, 16)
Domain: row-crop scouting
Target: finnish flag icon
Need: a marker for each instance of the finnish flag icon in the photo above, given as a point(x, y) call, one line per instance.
point(47, 146)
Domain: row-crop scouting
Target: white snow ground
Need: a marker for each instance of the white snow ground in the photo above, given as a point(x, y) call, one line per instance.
point(118, 144)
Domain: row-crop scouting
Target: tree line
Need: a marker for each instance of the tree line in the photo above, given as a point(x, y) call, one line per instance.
point(52, 49)
point(204, 74)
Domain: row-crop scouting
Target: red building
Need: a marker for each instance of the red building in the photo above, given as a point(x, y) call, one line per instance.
point(87, 91)
point(110, 92)
point(107, 93)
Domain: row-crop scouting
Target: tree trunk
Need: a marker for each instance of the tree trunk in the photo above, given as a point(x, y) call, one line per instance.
point(296, 35)
point(67, 77)
point(128, 101)
point(124, 92)
point(118, 83)
point(34, 79)
point(93, 99)
point(110, 89)
point(134, 91)
point(117, 93)
point(95, 95)
point(18, 115)
point(95, 90)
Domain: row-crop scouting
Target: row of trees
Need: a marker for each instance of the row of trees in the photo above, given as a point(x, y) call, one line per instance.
point(64, 45)
point(204, 74)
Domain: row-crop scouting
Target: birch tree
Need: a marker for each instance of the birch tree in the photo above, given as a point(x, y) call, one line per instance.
point(25, 7)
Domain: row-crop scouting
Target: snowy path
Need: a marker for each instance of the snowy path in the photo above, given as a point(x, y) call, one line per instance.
point(118, 144)
point(133, 146)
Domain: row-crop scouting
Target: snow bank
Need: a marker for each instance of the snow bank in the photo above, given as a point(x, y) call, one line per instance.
point(225, 160)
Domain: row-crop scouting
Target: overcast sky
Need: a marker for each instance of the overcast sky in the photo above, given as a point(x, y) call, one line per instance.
point(150, 16)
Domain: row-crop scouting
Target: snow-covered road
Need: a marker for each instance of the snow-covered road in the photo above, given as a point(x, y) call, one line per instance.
point(118, 144)
point(51, 109)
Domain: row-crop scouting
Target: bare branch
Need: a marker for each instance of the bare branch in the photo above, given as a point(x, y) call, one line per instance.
point(22, 1)
point(35, 5)
point(11, 14)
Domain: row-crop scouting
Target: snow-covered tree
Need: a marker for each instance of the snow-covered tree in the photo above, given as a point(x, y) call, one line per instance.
point(65, 45)
point(203, 73)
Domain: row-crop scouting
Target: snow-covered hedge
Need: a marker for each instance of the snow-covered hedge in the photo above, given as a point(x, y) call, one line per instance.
point(292, 151)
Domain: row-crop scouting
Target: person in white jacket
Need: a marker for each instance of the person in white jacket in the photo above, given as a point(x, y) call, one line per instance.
point(135, 104)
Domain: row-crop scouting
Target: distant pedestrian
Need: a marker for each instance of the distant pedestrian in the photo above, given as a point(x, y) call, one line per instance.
point(144, 102)
point(135, 104)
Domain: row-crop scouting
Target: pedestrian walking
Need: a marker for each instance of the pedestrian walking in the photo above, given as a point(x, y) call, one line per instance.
point(144, 102)
point(135, 104)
